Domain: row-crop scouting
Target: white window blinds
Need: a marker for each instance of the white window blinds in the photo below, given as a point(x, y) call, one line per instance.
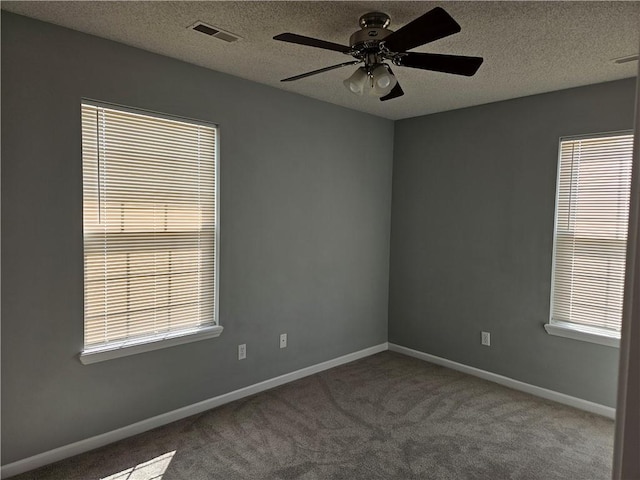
point(149, 227)
point(592, 214)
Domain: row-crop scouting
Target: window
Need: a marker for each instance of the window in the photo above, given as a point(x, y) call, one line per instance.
point(592, 213)
point(149, 215)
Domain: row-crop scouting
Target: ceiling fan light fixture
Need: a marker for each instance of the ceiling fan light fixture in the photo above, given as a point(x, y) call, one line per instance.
point(357, 82)
point(383, 80)
point(376, 80)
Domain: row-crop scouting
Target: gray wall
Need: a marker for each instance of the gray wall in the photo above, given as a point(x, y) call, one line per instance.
point(472, 236)
point(305, 223)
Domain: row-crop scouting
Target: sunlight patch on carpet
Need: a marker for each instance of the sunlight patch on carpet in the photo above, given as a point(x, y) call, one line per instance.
point(151, 470)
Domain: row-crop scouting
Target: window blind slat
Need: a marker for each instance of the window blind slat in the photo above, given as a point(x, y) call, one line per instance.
point(149, 225)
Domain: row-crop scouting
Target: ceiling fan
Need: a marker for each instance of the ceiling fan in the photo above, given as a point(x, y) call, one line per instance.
point(374, 43)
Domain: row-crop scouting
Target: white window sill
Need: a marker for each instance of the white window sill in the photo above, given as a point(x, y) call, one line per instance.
point(586, 334)
point(132, 347)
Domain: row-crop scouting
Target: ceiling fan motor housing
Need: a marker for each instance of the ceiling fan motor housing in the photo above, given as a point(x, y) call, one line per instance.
point(373, 29)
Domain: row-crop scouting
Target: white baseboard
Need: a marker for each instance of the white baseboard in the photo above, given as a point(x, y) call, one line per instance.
point(579, 403)
point(82, 446)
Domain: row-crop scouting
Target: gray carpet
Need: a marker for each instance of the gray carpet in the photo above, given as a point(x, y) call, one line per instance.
point(383, 417)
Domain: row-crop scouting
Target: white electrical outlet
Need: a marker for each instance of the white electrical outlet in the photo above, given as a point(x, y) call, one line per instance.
point(242, 351)
point(486, 339)
point(283, 340)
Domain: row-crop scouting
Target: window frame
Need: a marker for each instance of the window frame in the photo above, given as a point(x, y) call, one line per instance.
point(561, 328)
point(146, 343)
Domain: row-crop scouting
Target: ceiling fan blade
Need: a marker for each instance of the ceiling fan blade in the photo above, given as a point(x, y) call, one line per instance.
point(325, 69)
point(456, 64)
point(395, 91)
point(312, 42)
point(433, 25)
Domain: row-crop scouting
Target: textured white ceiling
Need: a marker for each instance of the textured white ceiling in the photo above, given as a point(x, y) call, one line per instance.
point(528, 47)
